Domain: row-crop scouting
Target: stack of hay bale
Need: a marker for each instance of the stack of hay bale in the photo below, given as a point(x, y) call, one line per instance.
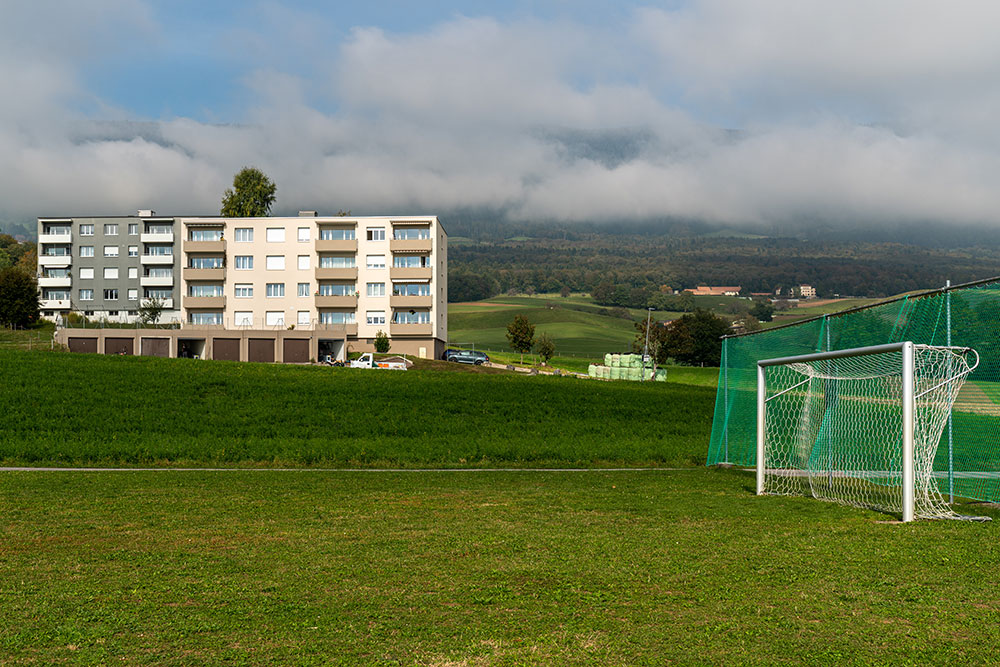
point(625, 367)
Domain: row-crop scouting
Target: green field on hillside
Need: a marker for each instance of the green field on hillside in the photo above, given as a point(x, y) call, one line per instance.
point(94, 409)
point(478, 568)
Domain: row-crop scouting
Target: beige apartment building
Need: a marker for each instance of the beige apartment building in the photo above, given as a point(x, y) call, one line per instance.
point(330, 280)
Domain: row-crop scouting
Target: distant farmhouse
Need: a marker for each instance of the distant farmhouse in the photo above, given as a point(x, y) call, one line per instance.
point(706, 290)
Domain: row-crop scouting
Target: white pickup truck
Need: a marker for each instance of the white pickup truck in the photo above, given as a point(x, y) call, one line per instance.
point(367, 360)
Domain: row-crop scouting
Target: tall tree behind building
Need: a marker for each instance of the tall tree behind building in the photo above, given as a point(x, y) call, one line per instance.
point(251, 196)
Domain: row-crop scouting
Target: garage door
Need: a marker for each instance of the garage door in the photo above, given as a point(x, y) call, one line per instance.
point(83, 345)
point(226, 349)
point(118, 345)
point(261, 349)
point(155, 347)
point(296, 350)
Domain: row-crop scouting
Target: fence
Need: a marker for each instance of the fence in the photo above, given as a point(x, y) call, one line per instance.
point(968, 458)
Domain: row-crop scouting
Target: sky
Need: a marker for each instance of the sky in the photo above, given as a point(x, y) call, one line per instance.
point(725, 111)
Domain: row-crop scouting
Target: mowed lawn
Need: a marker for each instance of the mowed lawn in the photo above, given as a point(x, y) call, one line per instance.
point(478, 568)
point(72, 409)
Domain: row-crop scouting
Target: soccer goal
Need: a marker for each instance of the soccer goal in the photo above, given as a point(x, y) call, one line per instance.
point(861, 426)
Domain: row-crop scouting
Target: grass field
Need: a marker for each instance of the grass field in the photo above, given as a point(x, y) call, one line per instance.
point(93, 409)
point(478, 568)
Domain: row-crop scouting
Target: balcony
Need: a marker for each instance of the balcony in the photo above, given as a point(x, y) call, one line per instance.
point(216, 247)
point(59, 237)
point(407, 302)
point(157, 237)
point(157, 259)
point(166, 303)
point(55, 260)
point(337, 274)
point(411, 245)
point(411, 329)
point(336, 301)
point(415, 273)
point(54, 304)
point(156, 281)
point(65, 281)
point(335, 329)
point(337, 245)
point(204, 274)
point(213, 302)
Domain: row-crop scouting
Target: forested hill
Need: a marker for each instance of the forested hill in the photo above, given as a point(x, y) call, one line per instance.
point(546, 258)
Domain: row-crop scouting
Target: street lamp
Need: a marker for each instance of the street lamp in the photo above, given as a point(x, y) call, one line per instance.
point(645, 349)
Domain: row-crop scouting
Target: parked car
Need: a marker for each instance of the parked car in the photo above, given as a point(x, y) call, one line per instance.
point(467, 357)
point(447, 353)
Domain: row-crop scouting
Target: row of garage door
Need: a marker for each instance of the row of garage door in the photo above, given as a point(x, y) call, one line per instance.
point(295, 350)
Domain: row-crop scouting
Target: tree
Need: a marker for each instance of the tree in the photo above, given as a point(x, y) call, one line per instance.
point(466, 286)
point(18, 298)
point(150, 311)
point(545, 347)
point(382, 343)
point(657, 336)
point(763, 311)
point(564, 292)
point(696, 338)
point(521, 334)
point(251, 196)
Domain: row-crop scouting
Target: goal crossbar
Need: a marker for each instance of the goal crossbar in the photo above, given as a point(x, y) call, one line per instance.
point(907, 402)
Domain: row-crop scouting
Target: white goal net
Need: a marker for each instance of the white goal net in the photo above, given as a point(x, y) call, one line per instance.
point(859, 427)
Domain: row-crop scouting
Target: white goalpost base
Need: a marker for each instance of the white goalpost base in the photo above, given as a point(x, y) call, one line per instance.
point(859, 426)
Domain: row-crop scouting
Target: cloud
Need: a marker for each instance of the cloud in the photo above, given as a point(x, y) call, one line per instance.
point(769, 112)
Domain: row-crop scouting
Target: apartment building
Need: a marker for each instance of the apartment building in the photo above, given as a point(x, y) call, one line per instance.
point(342, 278)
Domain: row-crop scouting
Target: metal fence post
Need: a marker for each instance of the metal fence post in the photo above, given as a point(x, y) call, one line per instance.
point(951, 444)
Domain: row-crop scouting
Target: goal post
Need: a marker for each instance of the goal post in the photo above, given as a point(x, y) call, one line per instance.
point(859, 426)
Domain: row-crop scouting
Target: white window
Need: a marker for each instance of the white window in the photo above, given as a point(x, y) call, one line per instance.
point(87, 274)
point(275, 234)
point(86, 295)
point(376, 233)
point(86, 251)
point(376, 289)
point(303, 234)
point(303, 318)
point(303, 289)
point(303, 262)
point(337, 262)
point(244, 290)
point(110, 272)
point(375, 317)
point(111, 230)
point(244, 234)
point(86, 230)
point(133, 272)
point(243, 318)
point(133, 228)
point(276, 289)
point(110, 251)
point(244, 262)
point(133, 251)
point(376, 261)
point(337, 317)
point(274, 318)
point(110, 295)
point(275, 262)
point(133, 295)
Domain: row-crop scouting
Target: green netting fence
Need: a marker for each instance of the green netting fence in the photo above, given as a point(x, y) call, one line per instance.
point(967, 463)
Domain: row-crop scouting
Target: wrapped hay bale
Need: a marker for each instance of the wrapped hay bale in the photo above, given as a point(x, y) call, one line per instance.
point(607, 359)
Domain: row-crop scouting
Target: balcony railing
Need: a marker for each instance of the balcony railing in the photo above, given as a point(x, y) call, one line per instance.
point(204, 274)
point(411, 329)
point(166, 303)
point(214, 302)
point(342, 329)
point(55, 260)
point(411, 245)
point(336, 301)
point(157, 259)
point(411, 273)
point(57, 237)
point(53, 304)
point(337, 245)
point(156, 281)
point(157, 237)
point(405, 302)
point(205, 246)
point(337, 274)
point(63, 281)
